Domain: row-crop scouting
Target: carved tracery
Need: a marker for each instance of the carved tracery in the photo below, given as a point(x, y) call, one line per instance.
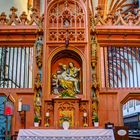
point(72, 11)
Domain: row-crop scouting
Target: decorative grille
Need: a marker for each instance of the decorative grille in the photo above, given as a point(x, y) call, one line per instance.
point(16, 67)
point(122, 67)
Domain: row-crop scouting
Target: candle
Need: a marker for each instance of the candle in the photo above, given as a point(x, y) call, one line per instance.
point(85, 114)
point(20, 104)
point(47, 114)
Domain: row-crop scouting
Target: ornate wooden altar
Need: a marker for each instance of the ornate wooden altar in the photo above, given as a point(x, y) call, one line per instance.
point(68, 69)
point(66, 76)
point(74, 108)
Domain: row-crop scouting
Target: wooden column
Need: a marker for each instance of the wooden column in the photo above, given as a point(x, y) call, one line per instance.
point(36, 5)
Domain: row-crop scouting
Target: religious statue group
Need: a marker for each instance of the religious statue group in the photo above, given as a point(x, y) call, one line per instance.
point(66, 79)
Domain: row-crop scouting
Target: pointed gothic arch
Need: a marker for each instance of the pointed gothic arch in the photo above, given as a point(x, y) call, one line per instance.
point(75, 12)
point(76, 55)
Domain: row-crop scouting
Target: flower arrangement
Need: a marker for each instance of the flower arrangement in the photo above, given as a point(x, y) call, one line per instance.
point(67, 93)
point(64, 118)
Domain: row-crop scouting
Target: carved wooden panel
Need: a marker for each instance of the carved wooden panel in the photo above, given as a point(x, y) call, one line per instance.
point(71, 11)
point(67, 105)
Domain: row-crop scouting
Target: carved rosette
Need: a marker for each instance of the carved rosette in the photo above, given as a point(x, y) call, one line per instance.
point(38, 79)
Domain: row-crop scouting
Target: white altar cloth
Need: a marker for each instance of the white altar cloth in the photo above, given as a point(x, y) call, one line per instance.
point(71, 134)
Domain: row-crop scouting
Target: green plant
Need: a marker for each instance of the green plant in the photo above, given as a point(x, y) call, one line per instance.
point(36, 119)
point(96, 119)
point(67, 93)
point(64, 118)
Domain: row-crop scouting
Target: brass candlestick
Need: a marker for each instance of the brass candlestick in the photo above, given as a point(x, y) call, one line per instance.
point(47, 119)
point(85, 119)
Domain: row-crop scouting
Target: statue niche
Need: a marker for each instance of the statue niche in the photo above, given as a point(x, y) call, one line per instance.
point(65, 79)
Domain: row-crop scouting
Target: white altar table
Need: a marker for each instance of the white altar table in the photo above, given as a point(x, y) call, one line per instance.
point(71, 134)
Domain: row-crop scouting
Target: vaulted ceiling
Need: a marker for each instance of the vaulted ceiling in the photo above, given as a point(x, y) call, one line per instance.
point(112, 6)
point(125, 5)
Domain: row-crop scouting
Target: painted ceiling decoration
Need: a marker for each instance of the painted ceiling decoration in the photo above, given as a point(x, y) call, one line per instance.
point(113, 7)
point(125, 5)
point(120, 14)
